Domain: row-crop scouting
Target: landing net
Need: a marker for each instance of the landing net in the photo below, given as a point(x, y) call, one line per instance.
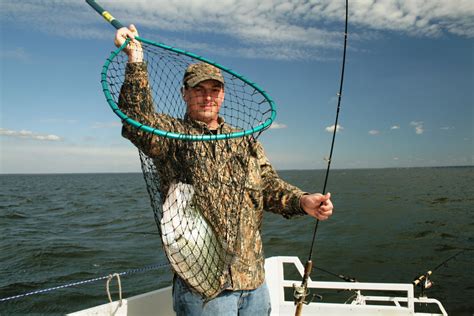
point(247, 107)
point(199, 181)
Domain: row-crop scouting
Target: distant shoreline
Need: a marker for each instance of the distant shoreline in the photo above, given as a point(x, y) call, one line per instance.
point(278, 170)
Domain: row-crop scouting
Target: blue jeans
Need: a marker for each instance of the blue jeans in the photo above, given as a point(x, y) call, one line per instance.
point(228, 303)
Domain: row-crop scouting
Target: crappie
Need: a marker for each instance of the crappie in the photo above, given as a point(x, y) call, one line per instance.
point(192, 247)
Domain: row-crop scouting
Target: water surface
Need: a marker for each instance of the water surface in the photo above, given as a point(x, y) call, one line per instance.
point(389, 225)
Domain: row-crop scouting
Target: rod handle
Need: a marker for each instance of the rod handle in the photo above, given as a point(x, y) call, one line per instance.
point(304, 285)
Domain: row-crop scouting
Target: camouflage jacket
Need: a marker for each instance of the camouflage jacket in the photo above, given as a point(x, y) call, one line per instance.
point(216, 169)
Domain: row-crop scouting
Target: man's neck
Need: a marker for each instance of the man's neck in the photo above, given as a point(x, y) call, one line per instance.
point(213, 126)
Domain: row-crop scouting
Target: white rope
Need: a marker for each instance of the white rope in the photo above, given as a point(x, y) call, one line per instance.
point(109, 278)
point(152, 267)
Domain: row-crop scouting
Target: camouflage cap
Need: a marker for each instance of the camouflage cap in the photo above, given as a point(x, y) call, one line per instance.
point(196, 73)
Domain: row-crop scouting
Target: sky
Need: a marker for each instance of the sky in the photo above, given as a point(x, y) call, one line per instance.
point(407, 98)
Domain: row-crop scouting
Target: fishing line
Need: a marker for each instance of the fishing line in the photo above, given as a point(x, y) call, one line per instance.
point(335, 126)
point(449, 259)
point(339, 276)
point(301, 292)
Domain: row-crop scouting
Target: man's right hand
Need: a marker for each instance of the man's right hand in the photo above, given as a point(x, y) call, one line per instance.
point(134, 48)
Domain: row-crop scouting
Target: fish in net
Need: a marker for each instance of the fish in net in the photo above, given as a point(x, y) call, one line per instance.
point(197, 178)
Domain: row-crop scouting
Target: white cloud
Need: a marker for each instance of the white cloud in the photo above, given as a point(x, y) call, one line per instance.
point(395, 127)
point(418, 17)
point(374, 132)
point(106, 124)
point(59, 120)
point(47, 137)
point(276, 125)
point(17, 54)
point(330, 129)
point(419, 129)
point(288, 21)
point(59, 157)
point(25, 134)
point(447, 128)
point(283, 29)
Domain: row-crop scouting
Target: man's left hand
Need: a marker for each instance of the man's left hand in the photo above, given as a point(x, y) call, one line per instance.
point(317, 205)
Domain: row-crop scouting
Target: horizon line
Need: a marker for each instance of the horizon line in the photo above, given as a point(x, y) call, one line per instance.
point(278, 170)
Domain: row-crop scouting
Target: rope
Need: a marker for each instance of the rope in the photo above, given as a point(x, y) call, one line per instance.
point(109, 278)
point(133, 271)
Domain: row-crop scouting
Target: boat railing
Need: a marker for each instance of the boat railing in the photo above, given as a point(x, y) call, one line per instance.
point(402, 302)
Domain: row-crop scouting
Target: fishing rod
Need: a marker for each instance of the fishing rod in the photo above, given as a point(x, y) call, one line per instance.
point(340, 276)
point(301, 292)
point(424, 282)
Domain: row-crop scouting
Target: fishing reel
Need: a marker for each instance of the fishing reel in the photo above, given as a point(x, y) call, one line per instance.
point(424, 282)
point(300, 293)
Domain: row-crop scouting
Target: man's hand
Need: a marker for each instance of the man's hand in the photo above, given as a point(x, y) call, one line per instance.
point(134, 48)
point(317, 205)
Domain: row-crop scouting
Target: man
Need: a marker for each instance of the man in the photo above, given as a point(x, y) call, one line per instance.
point(204, 92)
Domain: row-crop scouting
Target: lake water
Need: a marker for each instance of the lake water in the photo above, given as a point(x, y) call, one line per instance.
point(389, 225)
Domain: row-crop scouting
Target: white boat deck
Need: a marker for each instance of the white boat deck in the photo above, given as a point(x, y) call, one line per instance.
point(402, 302)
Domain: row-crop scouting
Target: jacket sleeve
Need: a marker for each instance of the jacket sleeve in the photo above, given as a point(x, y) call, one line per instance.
point(279, 196)
point(136, 102)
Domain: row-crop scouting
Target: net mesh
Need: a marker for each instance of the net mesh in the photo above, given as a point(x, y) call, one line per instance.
point(245, 105)
point(197, 188)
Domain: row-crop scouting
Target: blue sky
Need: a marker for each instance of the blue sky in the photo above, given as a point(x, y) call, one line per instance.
point(407, 100)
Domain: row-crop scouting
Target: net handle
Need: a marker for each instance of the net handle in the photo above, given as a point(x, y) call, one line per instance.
point(105, 14)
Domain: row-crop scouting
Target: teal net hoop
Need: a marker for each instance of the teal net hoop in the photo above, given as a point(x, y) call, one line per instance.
point(246, 107)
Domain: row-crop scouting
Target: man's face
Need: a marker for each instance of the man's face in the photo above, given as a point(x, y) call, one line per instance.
point(204, 101)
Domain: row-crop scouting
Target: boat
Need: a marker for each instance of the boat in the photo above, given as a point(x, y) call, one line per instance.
point(383, 299)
